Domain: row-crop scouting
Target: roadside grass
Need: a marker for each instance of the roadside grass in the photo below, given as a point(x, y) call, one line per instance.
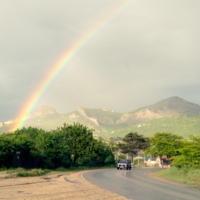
point(189, 176)
point(21, 172)
point(138, 166)
point(62, 169)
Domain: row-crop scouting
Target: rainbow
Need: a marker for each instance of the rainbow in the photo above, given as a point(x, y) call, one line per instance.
point(36, 97)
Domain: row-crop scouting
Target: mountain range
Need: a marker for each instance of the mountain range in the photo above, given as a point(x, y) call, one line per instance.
point(174, 115)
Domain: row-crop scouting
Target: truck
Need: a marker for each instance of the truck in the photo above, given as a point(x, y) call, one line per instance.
point(124, 164)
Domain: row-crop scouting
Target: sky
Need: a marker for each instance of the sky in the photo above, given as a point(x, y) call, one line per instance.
point(148, 53)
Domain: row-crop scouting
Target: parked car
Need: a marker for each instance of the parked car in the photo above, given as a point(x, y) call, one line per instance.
point(124, 164)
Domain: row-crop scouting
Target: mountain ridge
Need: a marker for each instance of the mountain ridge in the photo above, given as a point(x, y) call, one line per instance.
point(106, 121)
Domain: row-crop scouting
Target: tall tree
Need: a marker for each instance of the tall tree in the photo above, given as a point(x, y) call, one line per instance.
point(79, 139)
point(165, 144)
point(54, 149)
point(132, 143)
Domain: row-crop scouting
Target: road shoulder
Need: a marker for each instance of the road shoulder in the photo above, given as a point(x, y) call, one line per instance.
point(53, 186)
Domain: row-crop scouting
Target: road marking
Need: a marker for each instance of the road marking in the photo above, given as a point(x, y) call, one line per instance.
point(83, 177)
point(100, 187)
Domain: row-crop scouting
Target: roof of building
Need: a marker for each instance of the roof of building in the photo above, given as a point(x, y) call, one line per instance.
point(153, 158)
point(147, 158)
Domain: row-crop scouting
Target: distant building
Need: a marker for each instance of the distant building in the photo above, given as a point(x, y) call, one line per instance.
point(153, 161)
point(165, 162)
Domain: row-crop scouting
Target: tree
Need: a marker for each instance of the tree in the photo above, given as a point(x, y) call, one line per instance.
point(113, 146)
point(79, 139)
point(165, 144)
point(54, 149)
point(7, 150)
point(11, 143)
point(102, 153)
point(133, 143)
point(84, 148)
point(30, 132)
point(189, 153)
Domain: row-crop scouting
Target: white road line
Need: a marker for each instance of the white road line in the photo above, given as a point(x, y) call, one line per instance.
point(100, 187)
point(83, 177)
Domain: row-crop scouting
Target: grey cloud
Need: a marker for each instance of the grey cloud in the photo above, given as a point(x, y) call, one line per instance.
point(148, 53)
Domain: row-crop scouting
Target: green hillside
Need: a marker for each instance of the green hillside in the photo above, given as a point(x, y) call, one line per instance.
point(178, 125)
point(183, 126)
point(52, 122)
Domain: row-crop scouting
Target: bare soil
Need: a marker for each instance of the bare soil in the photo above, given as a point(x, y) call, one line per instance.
point(53, 186)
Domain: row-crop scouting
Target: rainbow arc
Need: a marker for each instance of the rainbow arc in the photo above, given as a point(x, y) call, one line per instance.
point(63, 63)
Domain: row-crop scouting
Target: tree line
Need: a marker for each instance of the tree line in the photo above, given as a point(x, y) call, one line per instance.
point(69, 145)
point(181, 152)
point(74, 145)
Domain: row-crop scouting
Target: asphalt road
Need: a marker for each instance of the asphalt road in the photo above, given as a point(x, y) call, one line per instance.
point(134, 184)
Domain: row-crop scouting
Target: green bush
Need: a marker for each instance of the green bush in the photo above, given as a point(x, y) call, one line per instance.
point(189, 154)
point(70, 145)
point(110, 160)
point(85, 162)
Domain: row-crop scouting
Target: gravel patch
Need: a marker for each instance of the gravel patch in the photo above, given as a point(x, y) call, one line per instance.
point(53, 186)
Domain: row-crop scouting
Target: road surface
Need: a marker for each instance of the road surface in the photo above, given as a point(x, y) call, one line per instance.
point(134, 184)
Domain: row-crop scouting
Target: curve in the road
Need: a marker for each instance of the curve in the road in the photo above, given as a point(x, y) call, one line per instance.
point(134, 184)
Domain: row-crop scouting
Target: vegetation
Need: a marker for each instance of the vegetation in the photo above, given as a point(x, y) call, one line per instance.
point(176, 116)
point(185, 157)
point(188, 153)
point(178, 125)
point(133, 143)
point(67, 146)
point(121, 157)
point(183, 152)
point(183, 125)
point(184, 175)
point(22, 172)
point(165, 144)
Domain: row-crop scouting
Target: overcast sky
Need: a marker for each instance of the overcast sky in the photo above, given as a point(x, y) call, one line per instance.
point(149, 53)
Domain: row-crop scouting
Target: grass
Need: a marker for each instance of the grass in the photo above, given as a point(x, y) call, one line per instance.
point(138, 166)
point(82, 168)
point(189, 176)
point(21, 172)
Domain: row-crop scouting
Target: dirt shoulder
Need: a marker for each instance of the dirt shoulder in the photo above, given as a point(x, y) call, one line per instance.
point(53, 186)
point(153, 175)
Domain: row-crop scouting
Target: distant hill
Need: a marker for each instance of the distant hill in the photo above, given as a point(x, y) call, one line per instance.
point(174, 115)
point(173, 107)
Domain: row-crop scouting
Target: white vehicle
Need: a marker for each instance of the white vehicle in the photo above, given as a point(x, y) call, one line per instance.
point(124, 164)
